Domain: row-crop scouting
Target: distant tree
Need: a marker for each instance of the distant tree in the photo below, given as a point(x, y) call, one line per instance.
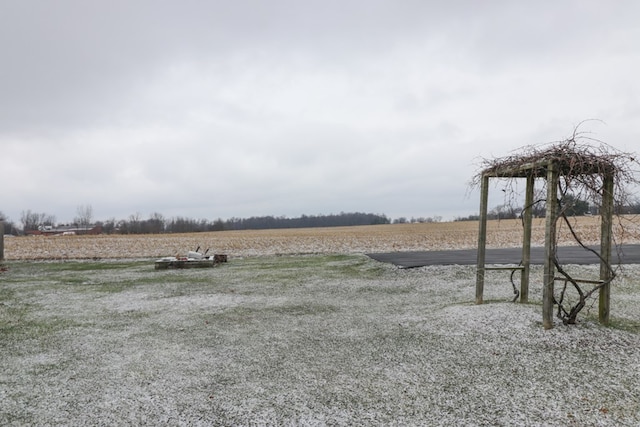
point(505, 211)
point(9, 226)
point(474, 217)
point(423, 220)
point(185, 225)
point(539, 210)
point(218, 225)
point(157, 224)
point(122, 226)
point(332, 220)
point(48, 220)
point(108, 226)
point(572, 206)
point(154, 225)
point(134, 223)
point(84, 216)
point(33, 221)
point(632, 207)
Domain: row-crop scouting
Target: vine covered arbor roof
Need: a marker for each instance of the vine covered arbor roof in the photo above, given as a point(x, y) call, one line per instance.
point(568, 158)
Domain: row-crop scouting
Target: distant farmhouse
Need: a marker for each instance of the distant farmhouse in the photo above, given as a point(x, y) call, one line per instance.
point(66, 230)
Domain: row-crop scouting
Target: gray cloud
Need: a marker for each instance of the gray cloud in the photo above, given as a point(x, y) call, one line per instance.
point(220, 109)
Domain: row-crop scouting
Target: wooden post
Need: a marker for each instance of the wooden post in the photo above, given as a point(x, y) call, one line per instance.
point(550, 245)
point(1, 240)
point(606, 216)
point(482, 238)
point(527, 217)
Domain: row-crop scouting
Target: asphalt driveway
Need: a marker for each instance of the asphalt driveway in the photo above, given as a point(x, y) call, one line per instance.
point(628, 254)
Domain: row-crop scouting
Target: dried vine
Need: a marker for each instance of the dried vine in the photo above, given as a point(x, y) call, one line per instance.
point(584, 162)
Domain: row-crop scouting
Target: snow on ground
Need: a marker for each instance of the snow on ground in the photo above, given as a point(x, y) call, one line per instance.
point(305, 340)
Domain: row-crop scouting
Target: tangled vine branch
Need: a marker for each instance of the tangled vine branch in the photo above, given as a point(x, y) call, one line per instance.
point(584, 163)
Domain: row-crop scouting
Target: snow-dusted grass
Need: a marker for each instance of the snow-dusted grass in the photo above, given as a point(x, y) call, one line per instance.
point(305, 340)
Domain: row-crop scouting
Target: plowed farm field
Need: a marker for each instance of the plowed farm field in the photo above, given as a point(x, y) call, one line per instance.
point(334, 240)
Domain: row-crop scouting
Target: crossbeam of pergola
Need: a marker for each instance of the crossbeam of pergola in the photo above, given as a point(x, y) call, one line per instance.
point(551, 169)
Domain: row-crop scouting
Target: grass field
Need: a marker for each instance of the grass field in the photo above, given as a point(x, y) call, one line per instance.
point(303, 339)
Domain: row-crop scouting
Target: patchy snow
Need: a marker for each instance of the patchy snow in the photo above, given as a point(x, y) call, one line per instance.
point(305, 340)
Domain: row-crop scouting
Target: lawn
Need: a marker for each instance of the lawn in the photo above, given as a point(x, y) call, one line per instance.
point(305, 340)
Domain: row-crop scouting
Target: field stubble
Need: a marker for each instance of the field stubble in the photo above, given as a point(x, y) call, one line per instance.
point(334, 240)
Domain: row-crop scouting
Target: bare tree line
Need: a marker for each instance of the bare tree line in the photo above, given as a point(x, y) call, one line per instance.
point(156, 223)
point(570, 204)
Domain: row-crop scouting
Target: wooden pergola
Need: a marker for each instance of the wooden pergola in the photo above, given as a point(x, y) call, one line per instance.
point(551, 168)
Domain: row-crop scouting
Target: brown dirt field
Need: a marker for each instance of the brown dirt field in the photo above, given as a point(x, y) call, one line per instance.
point(342, 240)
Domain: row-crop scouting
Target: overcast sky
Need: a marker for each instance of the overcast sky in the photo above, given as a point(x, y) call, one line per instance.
point(219, 109)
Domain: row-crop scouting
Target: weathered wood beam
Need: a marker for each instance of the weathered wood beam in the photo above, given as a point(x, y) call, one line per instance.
point(482, 238)
point(537, 168)
point(550, 245)
point(606, 218)
point(527, 217)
